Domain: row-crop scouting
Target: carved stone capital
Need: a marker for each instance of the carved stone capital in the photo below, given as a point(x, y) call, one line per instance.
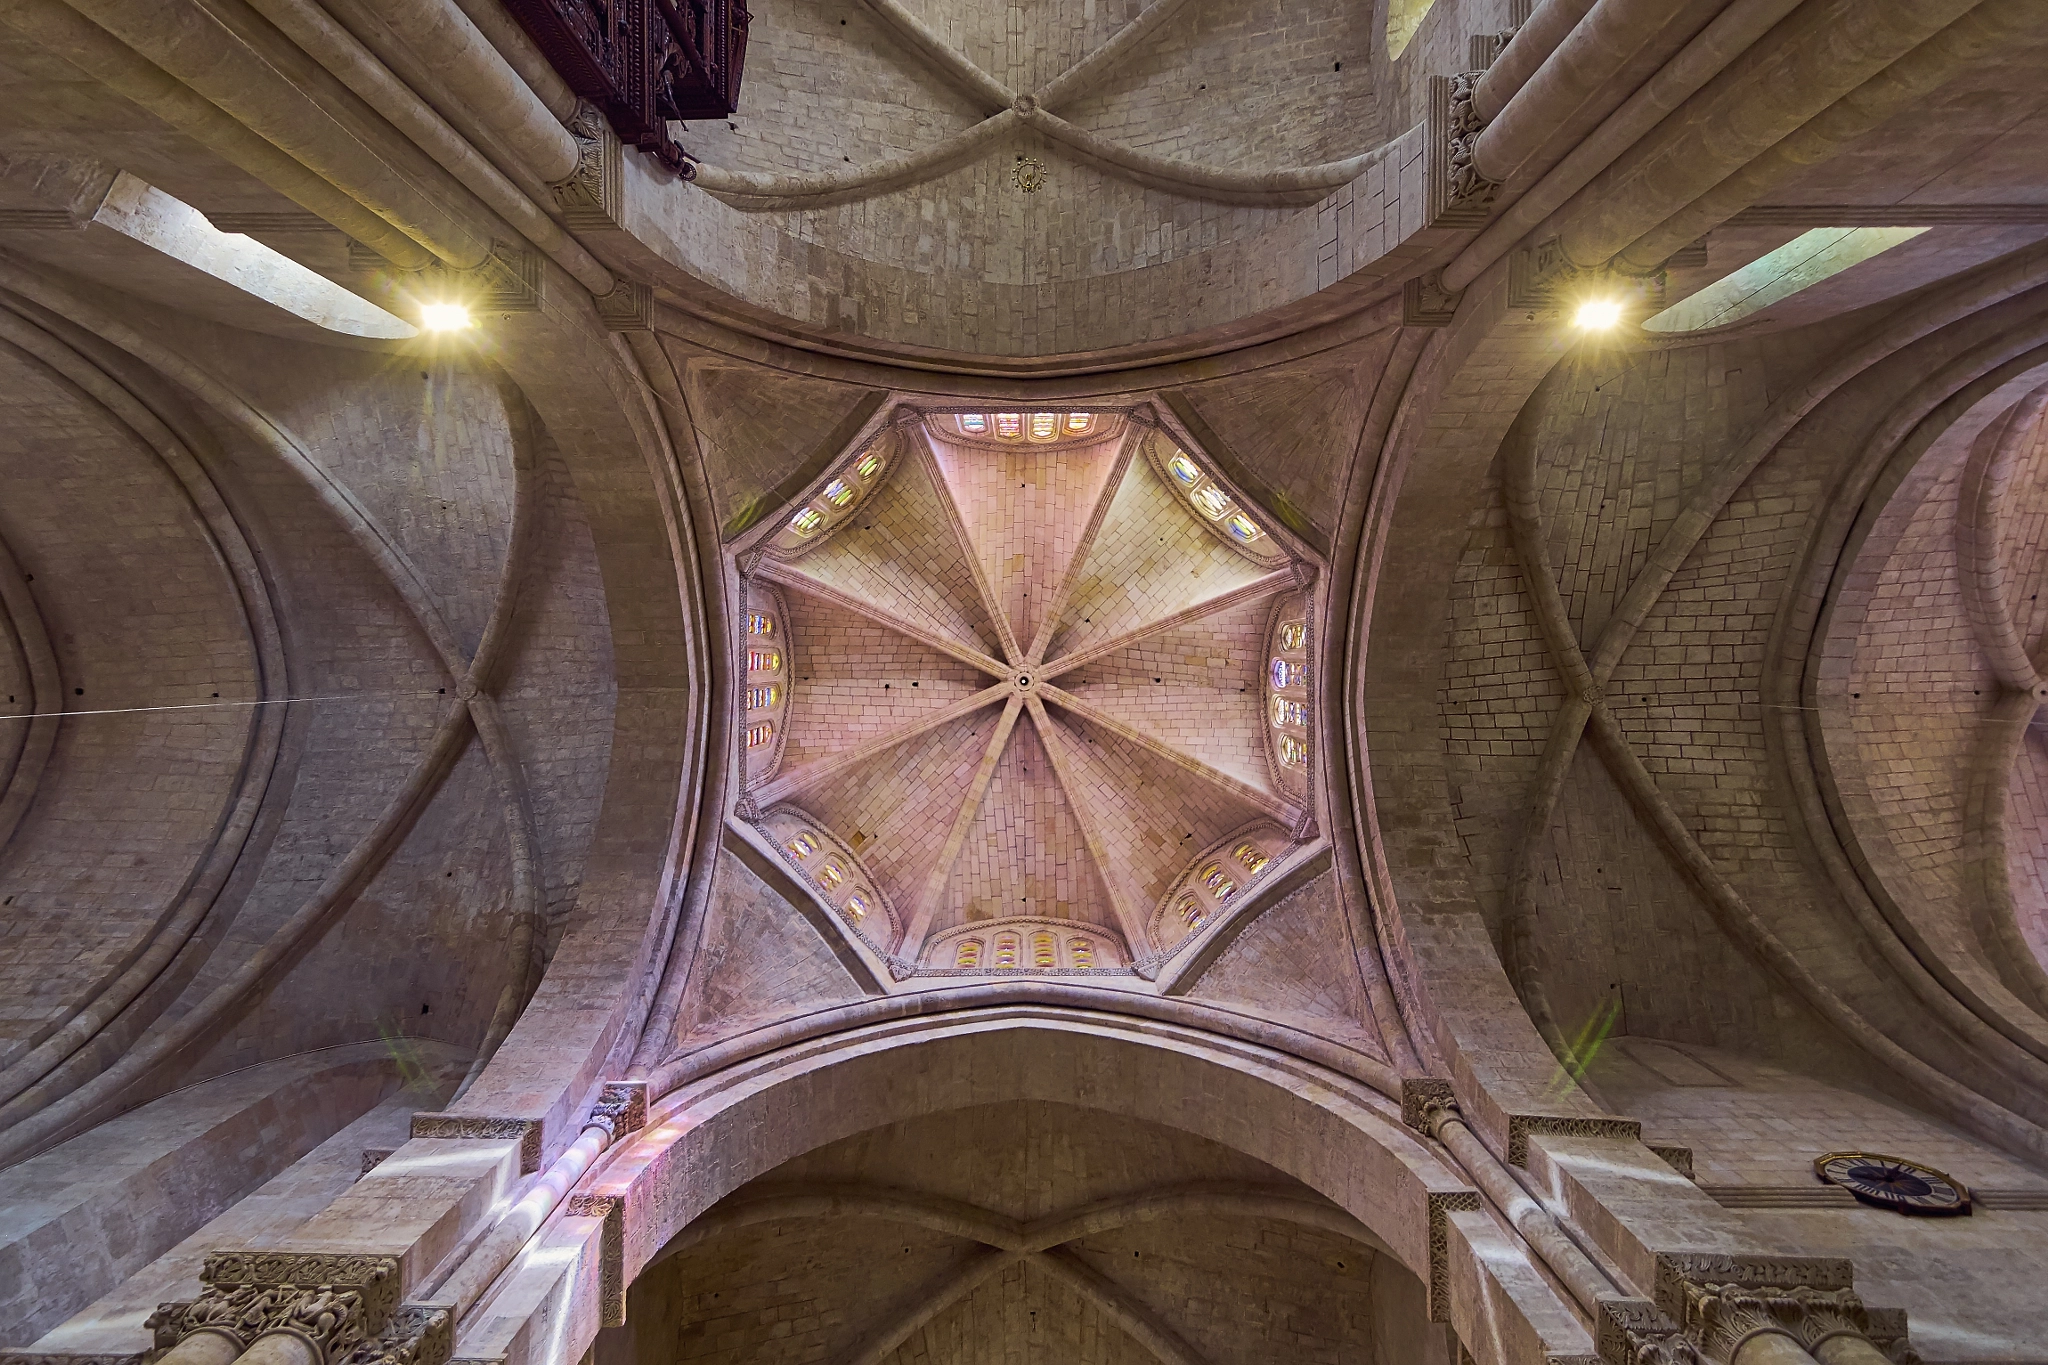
point(594, 194)
point(525, 1132)
point(1419, 1095)
point(621, 1108)
point(344, 1305)
point(1709, 1305)
point(1426, 303)
point(1459, 197)
point(628, 308)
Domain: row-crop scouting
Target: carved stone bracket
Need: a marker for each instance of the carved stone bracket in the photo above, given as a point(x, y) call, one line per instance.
point(628, 308)
point(611, 1251)
point(1426, 303)
point(594, 194)
point(1521, 1126)
point(333, 1302)
point(1459, 196)
point(1421, 1093)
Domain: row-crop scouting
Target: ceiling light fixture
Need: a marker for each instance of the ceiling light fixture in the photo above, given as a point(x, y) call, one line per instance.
point(444, 317)
point(1597, 315)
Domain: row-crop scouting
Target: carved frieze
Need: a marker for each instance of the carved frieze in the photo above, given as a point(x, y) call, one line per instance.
point(1459, 196)
point(1709, 1306)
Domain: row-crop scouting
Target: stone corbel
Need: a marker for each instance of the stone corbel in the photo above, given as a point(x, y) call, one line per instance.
point(594, 194)
point(343, 1307)
point(1543, 279)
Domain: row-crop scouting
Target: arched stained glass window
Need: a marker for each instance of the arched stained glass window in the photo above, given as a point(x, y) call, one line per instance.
point(758, 735)
point(1191, 912)
point(760, 623)
point(867, 466)
point(1293, 752)
point(761, 698)
point(1294, 635)
point(1218, 882)
point(1078, 422)
point(973, 424)
point(1043, 953)
point(1211, 501)
point(807, 522)
point(803, 843)
point(968, 953)
point(857, 907)
point(1044, 425)
point(1287, 712)
point(764, 661)
point(1183, 470)
point(1081, 953)
point(1006, 950)
point(1242, 529)
point(1010, 424)
point(1287, 674)
point(839, 492)
point(1250, 858)
point(830, 875)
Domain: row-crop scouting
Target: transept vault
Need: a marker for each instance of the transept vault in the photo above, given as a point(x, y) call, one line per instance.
point(897, 682)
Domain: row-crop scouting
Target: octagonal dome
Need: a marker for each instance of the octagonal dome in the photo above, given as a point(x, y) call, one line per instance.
point(1027, 692)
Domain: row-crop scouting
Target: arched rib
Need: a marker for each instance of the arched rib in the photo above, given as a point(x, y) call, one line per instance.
point(28, 747)
point(794, 578)
point(1006, 638)
point(1097, 515)
point(1267, 803)
point(1077, 79)
point(911, 1208)
point(1133, 1318)
point(757, 191)
point(944, 58)
point(1987, 479)
point(1207, 1198)
point(935, 1299)
point(920, 920)
point(1129, 918)
point(1281, 580)
point(1278, 186)
point(799, 780)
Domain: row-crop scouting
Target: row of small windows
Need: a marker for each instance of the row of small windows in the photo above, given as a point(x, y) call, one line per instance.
point(837, 495)
point(1044, 951)
point(1025, 426)
point(762, 658)
point(1290, 713)
point(829, 874)
point(1217, 880)
point(1211, 501)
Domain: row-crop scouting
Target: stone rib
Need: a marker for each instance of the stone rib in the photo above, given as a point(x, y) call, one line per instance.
point(1271, 584)
point(1005, 636)
point(793, 578)
point(802, 779)
point(949, 852)
point(1050, 622)
point(1129, 918)
point(1283, 811)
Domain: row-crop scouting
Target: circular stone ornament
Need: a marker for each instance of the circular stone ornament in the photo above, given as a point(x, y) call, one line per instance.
point(1892, 1182)
point(1028, 174)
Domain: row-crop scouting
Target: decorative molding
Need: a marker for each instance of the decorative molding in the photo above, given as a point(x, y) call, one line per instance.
point(42, 220)
point(1521, 1126)
point(1887, 215)
point(373, 1157)
point(1442, 1204)
point(1426, 303)
point(1459, 197)
point(526, 1132)
point(611, 1250)
point(72, 1358)
point(1678, 1158)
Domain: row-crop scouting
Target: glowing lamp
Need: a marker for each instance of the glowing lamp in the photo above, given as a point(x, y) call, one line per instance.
point(1597, 315)
point(444, 317)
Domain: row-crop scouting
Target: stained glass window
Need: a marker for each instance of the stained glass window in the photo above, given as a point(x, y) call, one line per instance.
point(830, 875)
point(857, 906)
point(1250, 858)
point(1006, 950)
point(968, 954)
point(760, 623)
point(974, 424)
point(1241, 528)
point(1293, 752)
point(1211, 501)
point(1009, 424)
point(760, 698)
point(758, 735)
point(1184, 470)
point(802, 843)
point(807, 522)
point(868, 466)
point(1077, 422)
point(1081, 952)
point(1218, 882)
point(1287, 712)
point(839, 492)
point(1042, 952)
point(1191, 913)
point(764, 661)
point(1044, 425)
point(1287, 674)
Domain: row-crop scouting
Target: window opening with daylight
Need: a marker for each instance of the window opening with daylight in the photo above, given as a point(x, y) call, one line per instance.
point(1251, 859)
point(830, 875)
point(807, 522)
point(867, 466)
point(838, 492)
point(802, 843)
point(764, 661)
point(1293, 752)
point(759, 735)
point(1082, 952)
point(1043, 953)
point(973, 424)
point(1184, 471)
point(1191, 913)
point(1286, 673)
point(760, 623)
point(761, 698)
point(1294, 635)
point(1801, 263)
point(968, 954)
point(1286, 712)
point(857, 906)
point(1044, 425)
point(1009, 424)
point(1006, 950)
point(1218, 882)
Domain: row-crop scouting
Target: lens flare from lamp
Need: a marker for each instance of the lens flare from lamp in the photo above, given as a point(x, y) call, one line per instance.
point(1597, 315)
point(444, 317)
